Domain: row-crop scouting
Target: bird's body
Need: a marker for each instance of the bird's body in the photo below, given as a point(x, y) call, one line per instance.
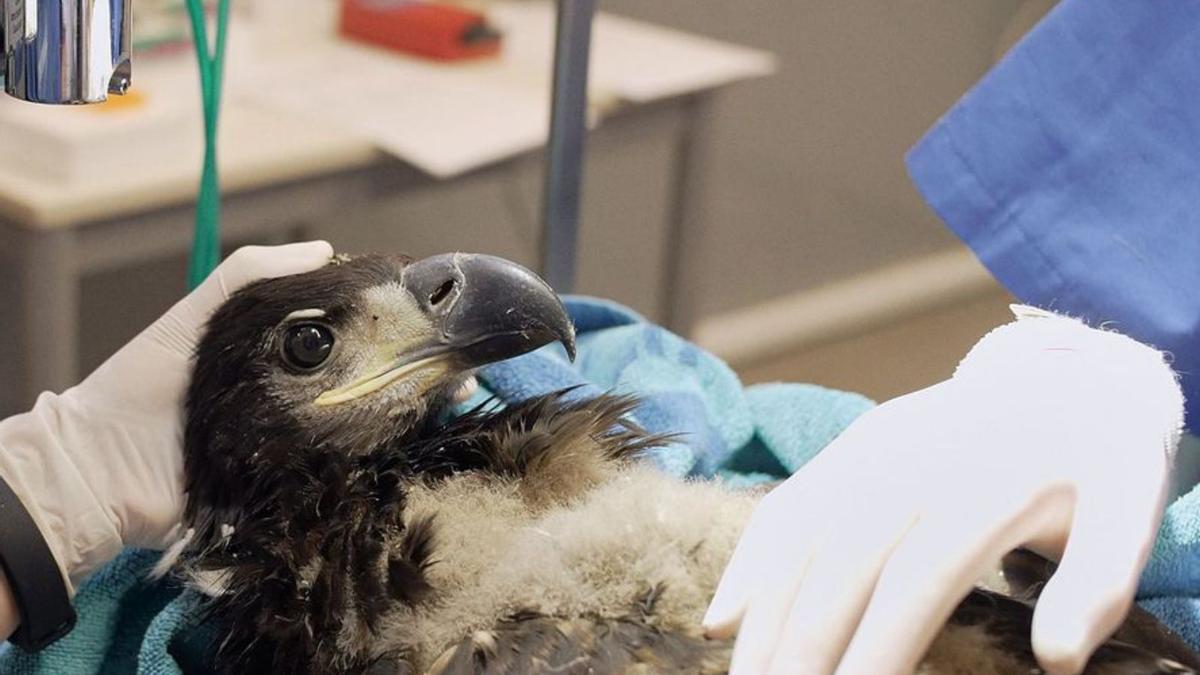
point(542, 557)
point(371, 534)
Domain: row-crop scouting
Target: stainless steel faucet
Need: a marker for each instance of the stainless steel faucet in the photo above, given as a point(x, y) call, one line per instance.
point(66, 51)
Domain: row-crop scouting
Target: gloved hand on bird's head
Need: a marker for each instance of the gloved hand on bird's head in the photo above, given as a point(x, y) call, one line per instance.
point(100, 466)
point(1050, 435)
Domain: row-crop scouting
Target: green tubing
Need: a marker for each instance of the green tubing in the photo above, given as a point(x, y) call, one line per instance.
point(206, 245)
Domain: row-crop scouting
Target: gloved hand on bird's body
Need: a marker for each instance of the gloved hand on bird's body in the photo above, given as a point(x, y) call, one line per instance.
point(1051, 435)
point(340, 524)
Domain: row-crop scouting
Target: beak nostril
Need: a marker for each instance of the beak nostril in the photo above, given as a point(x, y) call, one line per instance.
point(441, 293)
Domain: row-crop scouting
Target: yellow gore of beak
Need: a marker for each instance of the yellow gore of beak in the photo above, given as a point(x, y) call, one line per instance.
point(379, 380)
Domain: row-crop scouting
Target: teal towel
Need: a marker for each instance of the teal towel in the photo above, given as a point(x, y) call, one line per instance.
point(1170, 585)
point(130, 624)
point(115, 607)
point(1173, 568)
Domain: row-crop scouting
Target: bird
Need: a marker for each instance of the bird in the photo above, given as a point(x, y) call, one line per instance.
point(339, 520)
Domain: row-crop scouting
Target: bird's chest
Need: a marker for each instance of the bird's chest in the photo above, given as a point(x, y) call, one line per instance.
point(638, 535)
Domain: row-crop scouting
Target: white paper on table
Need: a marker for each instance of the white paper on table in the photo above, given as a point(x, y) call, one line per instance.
point(444, 119)
point(450, 118)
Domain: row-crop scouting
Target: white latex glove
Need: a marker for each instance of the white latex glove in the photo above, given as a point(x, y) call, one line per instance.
point(100, 466)
point(1051, 434)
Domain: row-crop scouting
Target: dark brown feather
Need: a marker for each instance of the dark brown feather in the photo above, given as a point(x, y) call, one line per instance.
point(529, 642)
point(1009, 623)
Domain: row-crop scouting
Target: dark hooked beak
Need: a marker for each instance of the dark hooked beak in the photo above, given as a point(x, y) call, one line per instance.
point(483, 309)
point(487, 309)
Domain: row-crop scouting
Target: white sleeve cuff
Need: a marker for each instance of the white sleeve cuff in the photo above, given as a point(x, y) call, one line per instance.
point(78, 529)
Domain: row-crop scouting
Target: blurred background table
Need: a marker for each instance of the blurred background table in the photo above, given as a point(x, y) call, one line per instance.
point(314, 131)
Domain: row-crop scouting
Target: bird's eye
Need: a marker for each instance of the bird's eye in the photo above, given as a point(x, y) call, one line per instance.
point(307, 345)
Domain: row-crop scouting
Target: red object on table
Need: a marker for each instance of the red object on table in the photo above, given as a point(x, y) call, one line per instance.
point(429, 29)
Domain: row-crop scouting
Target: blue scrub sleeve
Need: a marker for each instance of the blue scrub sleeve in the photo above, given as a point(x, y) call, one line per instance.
point(1073, 171)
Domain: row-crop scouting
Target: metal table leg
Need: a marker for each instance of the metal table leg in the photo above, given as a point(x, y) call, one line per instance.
point(50, 299)
point(568, 122)
point(679, 280)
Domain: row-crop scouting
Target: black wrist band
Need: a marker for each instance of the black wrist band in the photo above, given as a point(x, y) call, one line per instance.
point(33, 575)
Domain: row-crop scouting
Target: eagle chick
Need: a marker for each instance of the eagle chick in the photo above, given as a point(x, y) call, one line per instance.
point(341, 522)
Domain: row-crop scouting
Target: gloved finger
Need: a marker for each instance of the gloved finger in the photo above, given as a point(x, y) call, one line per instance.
point(763, 622)
point(250, 263)
point(930, 572)
point(764, 556)
point(834, 593)
point(176, 330)
point(1088, 596)
point(774, 543)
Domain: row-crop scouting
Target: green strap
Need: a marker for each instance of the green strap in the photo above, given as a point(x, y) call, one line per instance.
point(206, 244)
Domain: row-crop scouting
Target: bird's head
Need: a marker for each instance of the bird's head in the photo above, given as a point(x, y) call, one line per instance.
point(353, 355)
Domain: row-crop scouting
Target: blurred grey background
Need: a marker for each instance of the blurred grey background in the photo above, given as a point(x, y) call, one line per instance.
point(806, 196)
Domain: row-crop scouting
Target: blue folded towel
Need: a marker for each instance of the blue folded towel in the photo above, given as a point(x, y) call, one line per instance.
point(129, 624)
